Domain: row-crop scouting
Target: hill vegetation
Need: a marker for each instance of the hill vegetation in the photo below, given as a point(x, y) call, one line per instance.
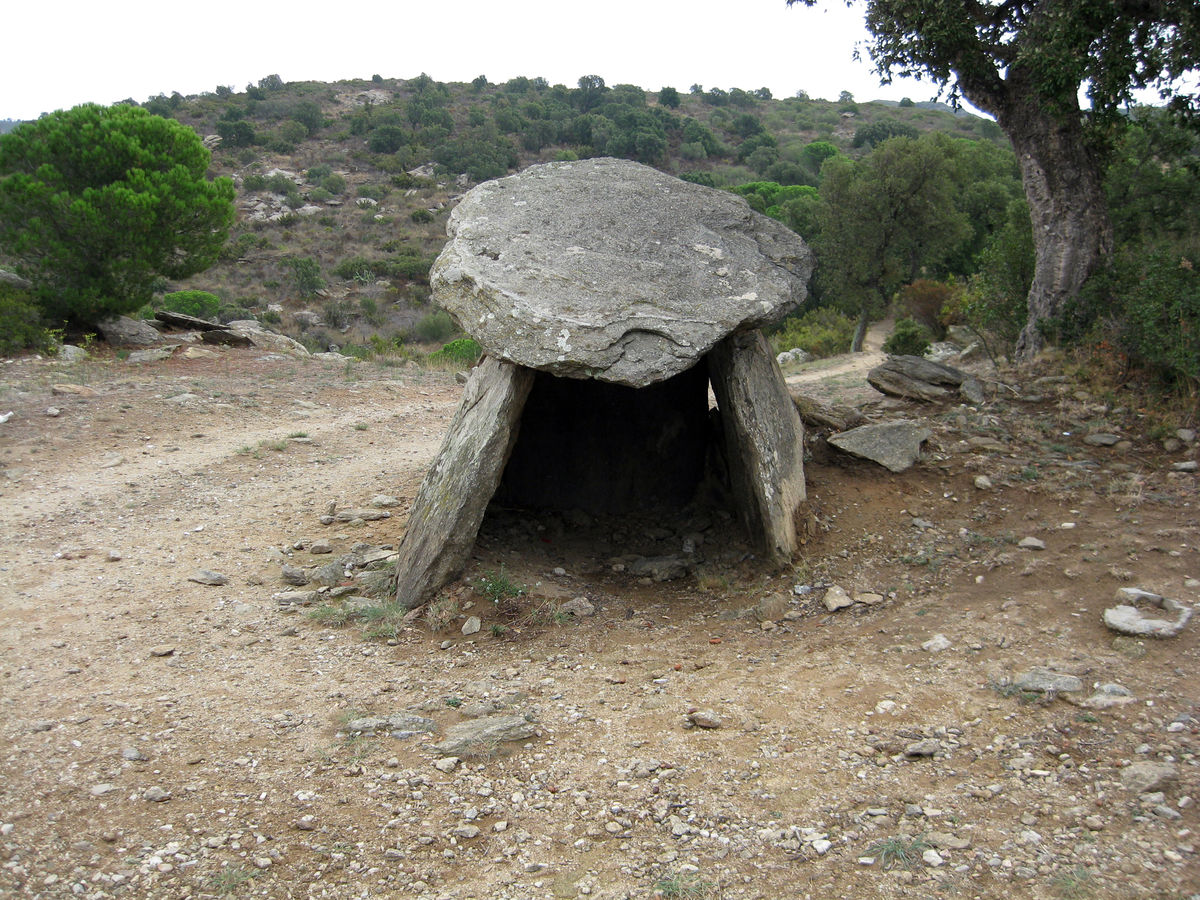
point(343, 190)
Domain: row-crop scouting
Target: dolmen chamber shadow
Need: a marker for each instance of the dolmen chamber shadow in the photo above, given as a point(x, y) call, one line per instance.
point(608, 297)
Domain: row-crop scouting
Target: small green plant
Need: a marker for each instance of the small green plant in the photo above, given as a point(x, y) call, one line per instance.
point(361, 426)
point(1074, 885)
point(297, 434)
point(684, 886)
point(229, 879)
point(907, 339)
point(329, 615)
point(441, 613)
point(498, 630)
point(421, 216)
point(898, 851)
point(454, 702)
point(499, 588)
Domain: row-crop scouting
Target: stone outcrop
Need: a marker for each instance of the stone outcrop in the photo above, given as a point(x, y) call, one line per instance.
point(915, 378)
point(894, 445)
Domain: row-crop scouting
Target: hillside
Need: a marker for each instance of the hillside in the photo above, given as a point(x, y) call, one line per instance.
point(344, 188)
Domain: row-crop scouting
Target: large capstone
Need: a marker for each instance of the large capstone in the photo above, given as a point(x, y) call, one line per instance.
point(612, 270)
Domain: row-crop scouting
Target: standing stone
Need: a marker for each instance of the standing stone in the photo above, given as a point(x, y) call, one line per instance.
point(764, 441)
point(449, 508)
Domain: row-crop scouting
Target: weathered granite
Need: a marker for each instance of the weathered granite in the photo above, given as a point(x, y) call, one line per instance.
point(609, 269)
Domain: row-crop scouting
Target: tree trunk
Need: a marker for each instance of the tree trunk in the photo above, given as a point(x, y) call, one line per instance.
point(1072, 233)
point(860, 332)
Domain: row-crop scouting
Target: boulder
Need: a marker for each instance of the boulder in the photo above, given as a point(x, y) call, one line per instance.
point(477, 737)
point(253, 331)
point(122, 331)
point(609, 269)
point(916, 378)
point(894, 445)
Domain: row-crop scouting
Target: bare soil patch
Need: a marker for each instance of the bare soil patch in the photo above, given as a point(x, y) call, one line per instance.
point(165, 738)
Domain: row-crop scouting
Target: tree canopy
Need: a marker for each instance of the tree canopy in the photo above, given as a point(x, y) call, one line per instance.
point(1025, 62)
point(96, 202)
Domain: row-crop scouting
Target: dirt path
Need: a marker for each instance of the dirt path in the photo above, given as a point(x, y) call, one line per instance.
point(843, 379)
point(167, 738)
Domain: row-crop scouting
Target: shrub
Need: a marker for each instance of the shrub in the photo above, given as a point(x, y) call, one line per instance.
point(21, 325)
point(435, 327)
point(200, 304)
point(462, 352)
point(821, 332)
point(1147, 308)
point(334, 183)
point(317, 172)
point(421, 216)
point(306, 274)
point(907, 339)
point(254, 183)
point(924, 301)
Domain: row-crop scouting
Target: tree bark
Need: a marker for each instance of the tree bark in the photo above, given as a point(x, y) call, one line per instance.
point(1072, 232)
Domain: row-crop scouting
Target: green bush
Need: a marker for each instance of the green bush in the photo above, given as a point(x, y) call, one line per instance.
point(254, 183)
point(306, 274)
point(200, 304)
point(21, 325)
point(435, 327)
point(334, 183)
point(421, 216)
point(908, 338)
point(820, 332)
point(462, 352)
point(317, 172)
point(1146, 308)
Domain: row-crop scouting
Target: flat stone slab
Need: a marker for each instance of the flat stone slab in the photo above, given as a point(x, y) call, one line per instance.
point(608, 269)
point(894, 445)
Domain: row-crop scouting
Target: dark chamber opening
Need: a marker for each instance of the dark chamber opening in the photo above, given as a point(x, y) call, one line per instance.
point(608, 449)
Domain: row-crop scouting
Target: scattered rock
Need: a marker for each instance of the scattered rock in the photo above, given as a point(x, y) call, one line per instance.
point(1031, 543)
point(481, 735)
point(894, 445)
point(926, 747)
point(207, 576)
point(447, 764)
point(936, 644)
point(704, 718)
point(73, 390)
point(294, 575)
point(156, 795)
point(152, 355)
point(659, 568)
point(398, 725)
point(1108, 696)
point(1148, 775)
point(1044, 680)
point(384, 501)
point(983, 483)
point(836, 598)
point(1101, 439)
point(52, 411)
point(472, 625)
point(163, 650)
point(1129, 619)
point(579, 607)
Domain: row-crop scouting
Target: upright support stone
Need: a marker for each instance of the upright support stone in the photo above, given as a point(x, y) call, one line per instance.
point(764, 439)
point(449, 508)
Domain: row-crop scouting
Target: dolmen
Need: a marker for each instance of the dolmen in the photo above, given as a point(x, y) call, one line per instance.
point(608, 298)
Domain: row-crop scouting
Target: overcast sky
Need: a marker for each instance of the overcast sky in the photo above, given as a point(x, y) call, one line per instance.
point(58, 55)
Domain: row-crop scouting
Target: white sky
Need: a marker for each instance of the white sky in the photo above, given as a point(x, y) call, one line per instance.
point(59, 54)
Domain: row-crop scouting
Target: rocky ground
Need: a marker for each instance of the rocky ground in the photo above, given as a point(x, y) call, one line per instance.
point(923, 706)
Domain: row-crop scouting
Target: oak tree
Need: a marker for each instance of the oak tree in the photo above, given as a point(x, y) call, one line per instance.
point(1025, 62)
